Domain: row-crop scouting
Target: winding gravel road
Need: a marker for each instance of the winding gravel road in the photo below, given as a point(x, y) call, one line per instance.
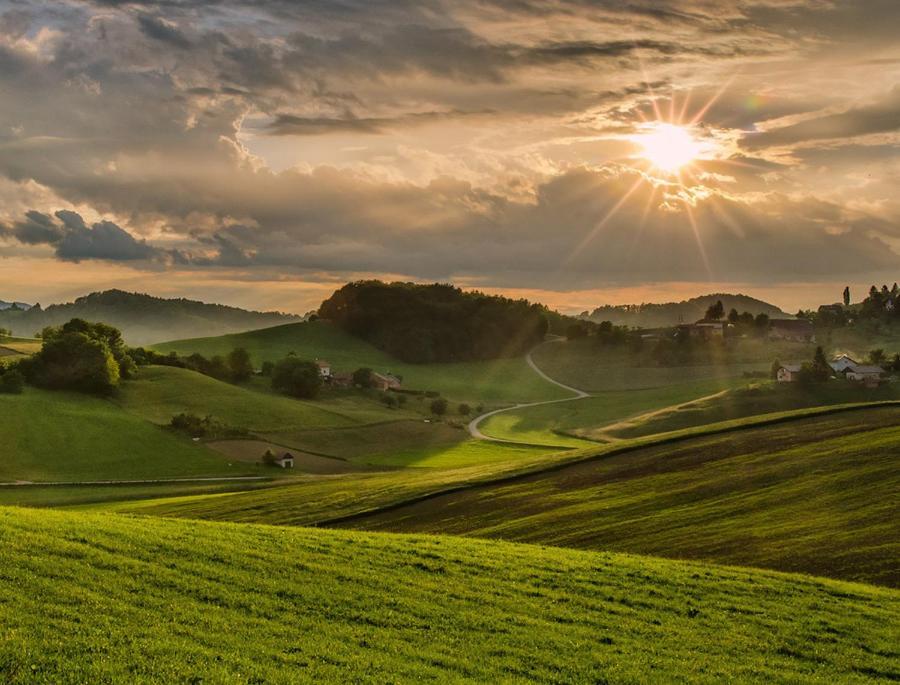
point(475, 432)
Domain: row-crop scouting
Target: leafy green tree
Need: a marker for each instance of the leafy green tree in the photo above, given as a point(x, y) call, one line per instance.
point(761, 323)
point(362, 377)
point(73, 361)
point(733, 316)
point(294, 376)
point(12, 382)
point(820, 367)
point(877, 357)
point(239, 365)
point(576, 330)
point(715, 311)
point(464, 409)
point(439, 406)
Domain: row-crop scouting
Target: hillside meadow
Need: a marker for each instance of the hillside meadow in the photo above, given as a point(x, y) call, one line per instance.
point(160, 601)
point(498, 381)
point(555, 423)
point(816, 495)
point(62, 436)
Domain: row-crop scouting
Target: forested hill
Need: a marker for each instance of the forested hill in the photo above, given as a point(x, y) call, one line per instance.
point(144, 319)
point(436, 323)
point(687, 311)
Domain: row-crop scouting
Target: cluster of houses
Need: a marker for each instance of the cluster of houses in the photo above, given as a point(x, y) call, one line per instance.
point(792, 330)
point(379, 381)
point(844, 365)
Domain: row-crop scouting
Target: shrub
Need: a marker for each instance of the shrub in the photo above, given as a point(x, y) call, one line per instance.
point(362, 377)
point(294, 376)
point(239, 365)
point(12, 382)
point(388, 400)
point(439, 406)
point(267, 368)
point(464, 409)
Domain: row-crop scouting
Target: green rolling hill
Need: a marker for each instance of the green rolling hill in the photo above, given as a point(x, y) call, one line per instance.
point(496, 381)
point(816, 495)
point(103, 598)
point(60, 436)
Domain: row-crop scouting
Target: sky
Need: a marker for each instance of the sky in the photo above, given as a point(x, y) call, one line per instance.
point(576, 152)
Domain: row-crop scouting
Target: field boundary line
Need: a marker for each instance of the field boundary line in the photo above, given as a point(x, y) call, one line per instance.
point(592, 454)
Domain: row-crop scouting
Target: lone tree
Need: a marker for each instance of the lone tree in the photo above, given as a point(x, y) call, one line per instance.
point(362, 377)
point(439, 406)
point(715, 311)
point(821, 368)
point(239, 365)
point(294, 376)
point(847, 296)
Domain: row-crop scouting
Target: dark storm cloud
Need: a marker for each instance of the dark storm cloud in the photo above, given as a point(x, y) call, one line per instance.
point(879, 117)
point(292, 125)
point(74, 240)
point(157, 29)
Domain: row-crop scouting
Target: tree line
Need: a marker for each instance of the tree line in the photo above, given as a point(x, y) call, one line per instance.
point(436, 323)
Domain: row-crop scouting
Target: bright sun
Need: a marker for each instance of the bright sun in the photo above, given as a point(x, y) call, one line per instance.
point(668, 147)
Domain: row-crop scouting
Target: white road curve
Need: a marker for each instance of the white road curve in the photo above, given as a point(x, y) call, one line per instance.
point(577, 394)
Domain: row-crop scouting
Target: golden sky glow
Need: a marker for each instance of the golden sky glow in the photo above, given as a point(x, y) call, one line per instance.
point(264, 152)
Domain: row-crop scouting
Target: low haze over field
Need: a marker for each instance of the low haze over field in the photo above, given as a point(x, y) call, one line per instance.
point(581, 152)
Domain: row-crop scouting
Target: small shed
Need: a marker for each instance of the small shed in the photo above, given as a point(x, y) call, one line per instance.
point(385, 381)
point(285, 460)
point(324, 368)
point(788, 373)
point(867, 375)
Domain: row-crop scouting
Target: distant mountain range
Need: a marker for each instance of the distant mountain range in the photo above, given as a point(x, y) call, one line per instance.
point(143, 319)
point(687, 311)
point(13, 305)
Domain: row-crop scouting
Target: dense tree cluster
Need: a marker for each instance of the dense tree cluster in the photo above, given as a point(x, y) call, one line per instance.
point(236, 367)
point(12, 382)
point(79, 355)
point(296, 377)
point(436, 323)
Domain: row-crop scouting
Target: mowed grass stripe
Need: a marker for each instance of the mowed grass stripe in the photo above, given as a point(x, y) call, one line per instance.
point(94, 598)
point(817, 495)
point(340, 499)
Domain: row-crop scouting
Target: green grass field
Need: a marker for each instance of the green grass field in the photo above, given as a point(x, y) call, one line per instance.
point(817, 495)
point(51, 436)
point(542, 424)
point(583, 365)
point(159, 392)
point(315, 501)
point(100, 598)
point(498, 381)
point(756, 399)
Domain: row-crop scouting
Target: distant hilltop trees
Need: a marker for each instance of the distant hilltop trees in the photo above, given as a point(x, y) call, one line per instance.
point(437, 323)
point(143, 319)
point(687, 311)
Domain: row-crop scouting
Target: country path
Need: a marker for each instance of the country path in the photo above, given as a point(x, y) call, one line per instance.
point(475, 432)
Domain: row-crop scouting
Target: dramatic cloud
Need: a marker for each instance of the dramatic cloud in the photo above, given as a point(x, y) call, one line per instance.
point(490, 141)
point(73, 240)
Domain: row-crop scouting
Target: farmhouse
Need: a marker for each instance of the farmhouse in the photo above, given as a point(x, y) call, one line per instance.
point(385, 381)
point(324, 368)
point(788, 373)
point(868, 375)
point(794, 330)
point(843, 362)
point(285, 461)
point(704, 329)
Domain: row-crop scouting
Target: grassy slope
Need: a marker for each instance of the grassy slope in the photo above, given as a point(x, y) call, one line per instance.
point(316, 501)
point(160, 392)
point(502, 380)
point(583, 365)
point(816, 495)
point(48, 436)
point(759, 398)
point(103, 598)
point(538, 424)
